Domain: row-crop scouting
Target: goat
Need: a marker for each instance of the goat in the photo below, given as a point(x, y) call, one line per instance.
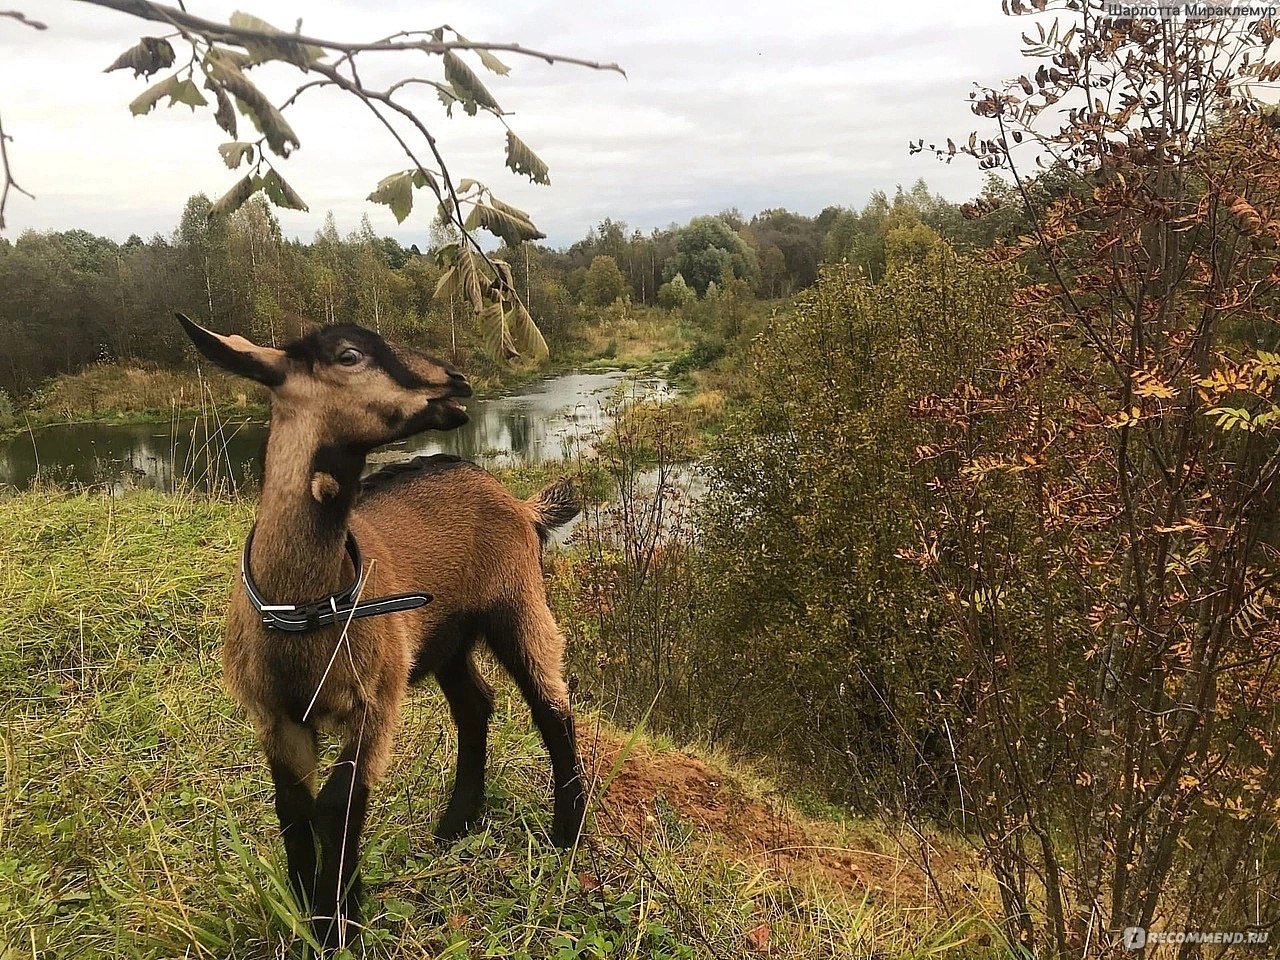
point(436, 524)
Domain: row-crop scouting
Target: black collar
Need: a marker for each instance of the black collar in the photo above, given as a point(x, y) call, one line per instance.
point(339, 607)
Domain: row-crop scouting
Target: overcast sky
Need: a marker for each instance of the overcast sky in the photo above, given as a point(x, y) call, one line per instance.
point(795, 104)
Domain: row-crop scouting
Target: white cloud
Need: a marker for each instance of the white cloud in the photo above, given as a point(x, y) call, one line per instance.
point(753, 105)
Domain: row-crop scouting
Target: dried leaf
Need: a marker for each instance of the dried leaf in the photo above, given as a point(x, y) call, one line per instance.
point(150, 55)
point(269, 121)
point(225, 114)
point(234, 153)
point(280, 193)
point(502, 224)
point(467, 86)
point(520, 159)
point(286, 48)
point(396, 191)
point(234, 199)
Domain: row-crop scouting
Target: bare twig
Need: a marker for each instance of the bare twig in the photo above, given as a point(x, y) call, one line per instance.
point(24, 19)
point(9, 182)
point(7, 172)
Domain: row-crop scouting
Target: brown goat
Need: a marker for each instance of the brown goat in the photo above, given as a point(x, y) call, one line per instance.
point(435, 525)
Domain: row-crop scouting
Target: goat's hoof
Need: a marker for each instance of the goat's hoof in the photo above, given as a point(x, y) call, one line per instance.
point(565, 836)
point(329, 937)
point(450, 832)
point(335, 933)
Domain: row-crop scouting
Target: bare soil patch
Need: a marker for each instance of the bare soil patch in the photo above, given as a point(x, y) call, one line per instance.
point(652, 785)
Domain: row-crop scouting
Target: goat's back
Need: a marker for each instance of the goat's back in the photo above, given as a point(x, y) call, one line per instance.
point(449, 527)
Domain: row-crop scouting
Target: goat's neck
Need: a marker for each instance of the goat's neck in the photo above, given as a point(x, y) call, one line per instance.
point(299, 543)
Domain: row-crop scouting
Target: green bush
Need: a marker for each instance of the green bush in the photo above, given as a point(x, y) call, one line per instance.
point(826, 648)
point(698, 357)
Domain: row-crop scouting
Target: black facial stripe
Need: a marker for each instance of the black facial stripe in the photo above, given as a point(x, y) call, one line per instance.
point(395, 368)
point(324, 345)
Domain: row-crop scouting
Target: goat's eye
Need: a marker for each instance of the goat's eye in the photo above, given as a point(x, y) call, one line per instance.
point(350, 357)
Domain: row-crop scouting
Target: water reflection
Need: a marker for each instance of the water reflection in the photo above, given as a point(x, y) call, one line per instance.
point(531, 426)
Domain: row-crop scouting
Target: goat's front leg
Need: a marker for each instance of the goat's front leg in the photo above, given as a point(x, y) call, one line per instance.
point(291, 755)
point(340, 814)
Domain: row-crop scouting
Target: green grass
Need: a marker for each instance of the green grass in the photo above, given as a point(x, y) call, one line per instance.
point(136, 816)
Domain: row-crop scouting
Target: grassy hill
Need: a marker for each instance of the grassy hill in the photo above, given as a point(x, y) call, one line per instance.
point(136, 814)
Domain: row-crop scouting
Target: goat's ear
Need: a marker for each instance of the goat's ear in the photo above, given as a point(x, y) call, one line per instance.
point(236, 354)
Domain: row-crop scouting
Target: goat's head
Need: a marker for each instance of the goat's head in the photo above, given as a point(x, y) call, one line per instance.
point(349, 386)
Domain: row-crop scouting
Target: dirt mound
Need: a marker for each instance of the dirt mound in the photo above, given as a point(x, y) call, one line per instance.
point(650, 787)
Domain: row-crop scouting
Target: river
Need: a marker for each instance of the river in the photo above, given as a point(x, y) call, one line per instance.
point(535, 424)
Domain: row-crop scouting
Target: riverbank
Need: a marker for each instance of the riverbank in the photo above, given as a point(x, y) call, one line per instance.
point(112, 393)
point(629, 339)
point(138, 821)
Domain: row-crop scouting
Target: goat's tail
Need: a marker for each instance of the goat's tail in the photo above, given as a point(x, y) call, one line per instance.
point(553, 507)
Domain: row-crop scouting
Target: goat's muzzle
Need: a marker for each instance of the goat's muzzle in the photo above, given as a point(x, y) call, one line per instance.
point(446, 413)
point(458, 382)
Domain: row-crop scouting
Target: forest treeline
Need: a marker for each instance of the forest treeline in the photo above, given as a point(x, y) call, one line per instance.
point(72, 298)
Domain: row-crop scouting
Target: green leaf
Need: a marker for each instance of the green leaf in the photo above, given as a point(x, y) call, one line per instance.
point(398, 909)
point(150, 55)
point(490, 62)
point(286, 48)
point(467, 85)
point(425, 178)
point(236, 152)
point(506, 226)
point(520, 159)
point(508, 208)
point(446, 255)
point(234, 199)
point(469, 278)
point(447, 285)
point(494, 332)
point(280, 193)
point(447, 98)
point(145, 102)
point(187, 92)
point(508, 333)
point(396, 191)
point(236, 58)
point(270, 122)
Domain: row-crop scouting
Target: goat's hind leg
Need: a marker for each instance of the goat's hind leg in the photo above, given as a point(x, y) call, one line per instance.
point(471, 704)
point(531, 648)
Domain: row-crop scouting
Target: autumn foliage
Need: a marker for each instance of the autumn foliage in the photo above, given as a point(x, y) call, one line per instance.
point(1104, 526)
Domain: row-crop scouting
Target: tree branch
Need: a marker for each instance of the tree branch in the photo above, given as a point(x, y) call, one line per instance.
point(215, 52)
point(23, 19)
point(214, 31)
point(5, 169)
point(9, 183)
